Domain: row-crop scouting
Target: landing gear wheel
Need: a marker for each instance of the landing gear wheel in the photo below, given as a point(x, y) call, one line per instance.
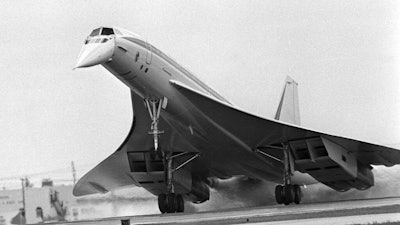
point(171, 203)
point(279, 194)
point(297, 194)
point(180, 204)
point(289, 194)
point(162, 203)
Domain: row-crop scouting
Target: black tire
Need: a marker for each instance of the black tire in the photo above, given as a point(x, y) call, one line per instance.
point(171, 203)
point(162, 203)
point(297, 194)
point(279, 194)
point(180, 204)
point(289, 194)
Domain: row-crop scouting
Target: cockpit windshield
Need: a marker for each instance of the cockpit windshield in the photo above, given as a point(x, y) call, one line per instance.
point(95, 32)
point(103, 31)
point(107, 31)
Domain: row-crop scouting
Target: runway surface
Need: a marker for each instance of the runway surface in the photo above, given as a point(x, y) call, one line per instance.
point(342, 212)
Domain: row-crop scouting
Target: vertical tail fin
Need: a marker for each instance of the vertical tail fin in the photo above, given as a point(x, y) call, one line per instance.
point(288, 109)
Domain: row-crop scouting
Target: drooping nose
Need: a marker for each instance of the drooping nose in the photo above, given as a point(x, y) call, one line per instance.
point(96, 51)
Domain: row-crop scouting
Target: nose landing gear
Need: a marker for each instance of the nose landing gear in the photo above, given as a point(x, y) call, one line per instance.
point(154, 108)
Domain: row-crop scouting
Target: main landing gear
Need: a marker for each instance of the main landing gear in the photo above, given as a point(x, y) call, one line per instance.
point(287, 193)
point(171, 203)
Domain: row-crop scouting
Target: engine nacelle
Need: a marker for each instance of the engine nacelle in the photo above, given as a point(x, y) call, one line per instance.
point(363, 181)
point(331, 164)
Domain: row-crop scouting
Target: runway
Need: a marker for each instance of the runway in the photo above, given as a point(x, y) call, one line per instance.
point(341, 212)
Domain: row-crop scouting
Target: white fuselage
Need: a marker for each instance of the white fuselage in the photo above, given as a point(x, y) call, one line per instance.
point(148, 71)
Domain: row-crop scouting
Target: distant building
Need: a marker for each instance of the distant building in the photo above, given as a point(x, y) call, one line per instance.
point(52, 202)
point(56, 203)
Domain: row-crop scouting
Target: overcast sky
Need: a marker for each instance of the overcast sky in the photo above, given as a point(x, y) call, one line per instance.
point(345, 55)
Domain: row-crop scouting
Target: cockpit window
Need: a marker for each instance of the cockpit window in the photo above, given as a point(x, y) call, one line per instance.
point(95, 32)
point(102, 31)
point(107, 31)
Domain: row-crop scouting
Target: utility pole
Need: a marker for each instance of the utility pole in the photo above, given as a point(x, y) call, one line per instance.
point(23, 193)
point(73, 171)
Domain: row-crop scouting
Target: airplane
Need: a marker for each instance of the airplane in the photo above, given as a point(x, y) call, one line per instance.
point(185, 136)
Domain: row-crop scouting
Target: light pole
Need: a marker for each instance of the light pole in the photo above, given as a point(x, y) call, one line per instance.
point(23, 199)
point(23, 192)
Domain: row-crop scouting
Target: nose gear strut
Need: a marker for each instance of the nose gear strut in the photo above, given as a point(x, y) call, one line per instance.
point(154, 108)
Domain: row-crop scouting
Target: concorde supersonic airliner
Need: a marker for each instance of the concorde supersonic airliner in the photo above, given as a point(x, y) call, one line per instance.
point(185, 136)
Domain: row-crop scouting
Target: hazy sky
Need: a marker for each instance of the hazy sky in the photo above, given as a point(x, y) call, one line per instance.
point(345, 55)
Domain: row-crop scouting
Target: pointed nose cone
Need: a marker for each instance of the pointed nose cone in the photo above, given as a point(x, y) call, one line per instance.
point(96, 53)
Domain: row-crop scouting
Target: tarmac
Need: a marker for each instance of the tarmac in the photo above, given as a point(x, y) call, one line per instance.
point(362, 211)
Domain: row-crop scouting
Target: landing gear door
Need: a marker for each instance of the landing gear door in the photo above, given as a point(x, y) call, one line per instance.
point(148, 53)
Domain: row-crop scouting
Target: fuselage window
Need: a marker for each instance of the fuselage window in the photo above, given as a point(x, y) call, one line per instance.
point(107, 31)
point(96, 40)
point(137, 56)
